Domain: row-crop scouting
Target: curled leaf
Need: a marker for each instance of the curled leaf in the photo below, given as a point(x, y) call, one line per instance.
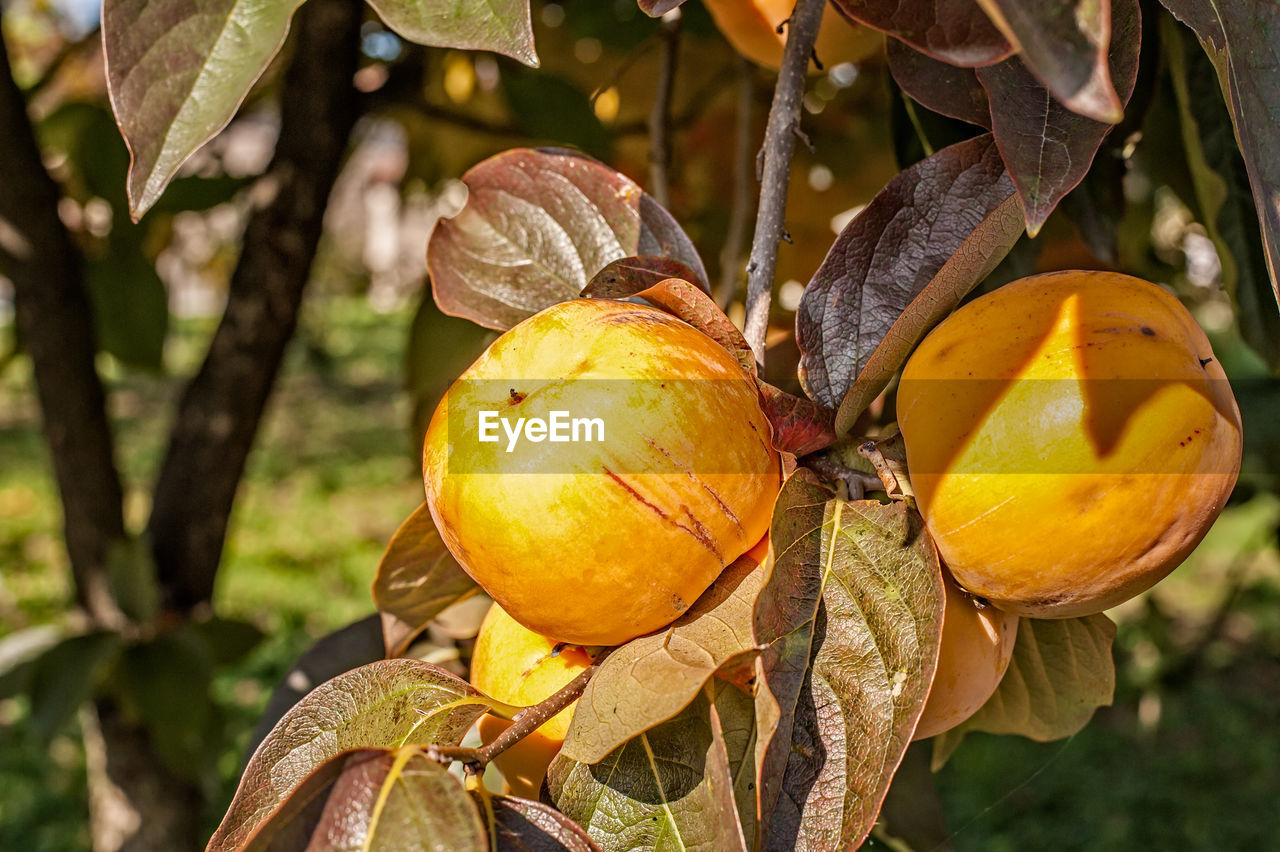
point(537, 226)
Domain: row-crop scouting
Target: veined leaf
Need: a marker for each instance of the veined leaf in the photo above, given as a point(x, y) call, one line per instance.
point(955, 31)
point(503, 26)
point(519, 825)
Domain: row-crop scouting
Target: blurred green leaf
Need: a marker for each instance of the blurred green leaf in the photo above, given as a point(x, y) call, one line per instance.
point(130, 306)
point(1222, 191)
point(131, 574)
point(19, 652)
point(553, 110)
point(65, 676)
point(1060, 674)
point(225, 640)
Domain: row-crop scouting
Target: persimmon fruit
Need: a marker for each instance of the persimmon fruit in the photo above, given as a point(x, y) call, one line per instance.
point(976, 647)
point(597, 542)
point(751, 26)
point(519, 667)
point(1070, 437)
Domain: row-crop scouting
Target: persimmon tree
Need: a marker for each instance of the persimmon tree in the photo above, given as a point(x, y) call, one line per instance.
point(779, 707)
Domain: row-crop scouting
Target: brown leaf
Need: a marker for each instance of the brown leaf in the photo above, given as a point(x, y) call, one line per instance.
point(1046, 147)
point(902, 264)
point(955, 31)
point(651, 679)
point(537, 225)
point(387, 703)
point(800, 426)
point(389, 800)
point(417, 579)
point(672, 787)
point(519, 825)
point(1061, 672)
point(658, 8)
point(1065, 45)
point(851, 620)
point(946, 89)
point(627, 276)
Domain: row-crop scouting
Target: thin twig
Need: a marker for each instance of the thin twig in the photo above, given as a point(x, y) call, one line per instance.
point(525, 723)
point(660, 116)
point(779, 146)
point(735, 241)
point(858, 482)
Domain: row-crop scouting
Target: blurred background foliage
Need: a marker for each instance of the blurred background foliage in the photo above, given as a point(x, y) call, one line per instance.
point(1185, 758)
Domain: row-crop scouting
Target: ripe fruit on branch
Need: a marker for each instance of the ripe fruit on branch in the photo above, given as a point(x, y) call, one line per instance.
point(977, 645)
point(1070, 438)
point(600, 539)
point(517, 666)
point(751, 26)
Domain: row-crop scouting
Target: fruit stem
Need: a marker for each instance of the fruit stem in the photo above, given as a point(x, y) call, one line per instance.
point(775, 174)
point(524, 723)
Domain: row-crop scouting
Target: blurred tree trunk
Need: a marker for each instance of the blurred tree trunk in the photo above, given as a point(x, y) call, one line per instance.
point(136, 803)
point(218, 417)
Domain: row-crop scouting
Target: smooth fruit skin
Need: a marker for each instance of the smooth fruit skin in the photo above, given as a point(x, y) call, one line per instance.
point(618, 537)
point(1070, 437)
point(751, 26)
point(517, 666)
point(977, 645)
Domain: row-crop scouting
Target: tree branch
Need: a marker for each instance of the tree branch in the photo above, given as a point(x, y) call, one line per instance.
point(660, 116)
point(740, 212)
point(779, 145)
point(220, 410)
point(524, 724)
point(55, 320)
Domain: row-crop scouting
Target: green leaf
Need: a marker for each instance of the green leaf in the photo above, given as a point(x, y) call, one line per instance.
point(130, 308)
point(1060, 674)
point(536, 227)
point(672, 787)
point(899, 267)
point(64, 677)
point(177, 72)
point(1222, 192)
point(651, 679)
point(1241, 37)
point(552, 110)
point(131, 574)
point(519, 825)
point(1065, 45)
point(398, 799)
point(19, 652)
point(502, 26)
point(391, 703)
point(851, 617)
point(226, 640)
point(417, 579)
point(1046, 146)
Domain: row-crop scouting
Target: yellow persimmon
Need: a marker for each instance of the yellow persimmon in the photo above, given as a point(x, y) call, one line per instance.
point(1070, 437)
point(751, 26)
point(615, 531)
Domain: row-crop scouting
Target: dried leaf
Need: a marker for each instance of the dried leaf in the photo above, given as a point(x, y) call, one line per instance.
point(178, 71)
point(537, 226)
point(901, 265)
point(417, 579)
point(800, 426)
point(649, 680)
point(627, 276)
point(1060, 674)
point(1065, 45)
point(1046, 147)
point(373, 706)
point(851, 620)
point(947, 89)
point(503, 26)
point(672, 787)
point(955, 31)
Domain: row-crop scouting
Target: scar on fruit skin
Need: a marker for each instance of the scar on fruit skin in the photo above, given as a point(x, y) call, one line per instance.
point(515, 396)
